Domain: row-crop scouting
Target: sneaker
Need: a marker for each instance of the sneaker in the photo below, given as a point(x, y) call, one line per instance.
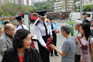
point(56, 54)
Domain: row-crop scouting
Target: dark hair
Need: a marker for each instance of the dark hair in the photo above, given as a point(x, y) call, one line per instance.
point(20, 35)
point(6, 22)
point(86, 27)
point(84, 13)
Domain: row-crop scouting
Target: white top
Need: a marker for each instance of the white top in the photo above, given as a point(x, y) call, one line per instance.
point(40, 31)
point(20, 27)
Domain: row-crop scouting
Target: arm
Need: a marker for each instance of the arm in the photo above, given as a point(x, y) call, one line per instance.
point(92, 49)
point(60, 52)
point(3, 47)
point(38, 58)
point(39, 36)
point(6, 57)
point(50, 31)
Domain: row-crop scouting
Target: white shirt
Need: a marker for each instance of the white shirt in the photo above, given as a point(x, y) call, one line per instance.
point(40, 31)
point(20, 27)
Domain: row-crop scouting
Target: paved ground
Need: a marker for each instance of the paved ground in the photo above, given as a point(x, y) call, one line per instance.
point(60, 40)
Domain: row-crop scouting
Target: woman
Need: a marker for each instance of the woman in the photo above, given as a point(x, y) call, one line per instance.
point(85, 52)
point(21, 51)
point(68, 47)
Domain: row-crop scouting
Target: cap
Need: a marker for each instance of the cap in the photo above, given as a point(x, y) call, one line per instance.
point(42, 13)
point(51, 18)
point(19, 18)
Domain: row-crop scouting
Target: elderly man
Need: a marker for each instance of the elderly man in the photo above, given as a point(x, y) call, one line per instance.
point(68, 48)
point(77, 33)
point(6, 38)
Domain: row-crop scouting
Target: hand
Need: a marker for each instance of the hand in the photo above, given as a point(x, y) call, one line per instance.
point(51, 36)
point(58, 31)
point(52, 46)
point(46, 47)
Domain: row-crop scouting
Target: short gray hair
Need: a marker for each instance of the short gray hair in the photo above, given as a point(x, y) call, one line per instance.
point(6, 27)
point(66, 28)
point(78, 22)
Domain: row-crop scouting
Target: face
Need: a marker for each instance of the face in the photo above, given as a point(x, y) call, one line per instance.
point(76, 27)
point(51, 20)
point(27, 41)
point(81, 31)
point(20, 22)
point(42, 19)
point(11, 31)
point(84, 16)
point(63, 33)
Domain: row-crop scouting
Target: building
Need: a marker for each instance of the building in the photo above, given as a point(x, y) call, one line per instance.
point(2, 2)
point(87, 1)
point(40, 0)
point(64, 6)
point(21, 2)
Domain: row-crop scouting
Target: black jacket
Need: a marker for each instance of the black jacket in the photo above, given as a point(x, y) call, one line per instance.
point(86, 20)
point(30, 55)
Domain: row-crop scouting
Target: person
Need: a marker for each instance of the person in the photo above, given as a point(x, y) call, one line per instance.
point(77, 33)
point(54, 32)
point(23, 26)
point(1, 31)
point(21, 51)
point(21, 23)
point(68, 47)
point(85, 40)
point(6, 38)
point(91, 27)
point(43, 32)
point(84, 16)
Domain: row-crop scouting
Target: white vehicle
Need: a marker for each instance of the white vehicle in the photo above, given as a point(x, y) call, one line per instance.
point(76, 15)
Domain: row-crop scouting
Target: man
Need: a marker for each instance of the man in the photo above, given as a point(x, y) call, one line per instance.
point(43, 32)
point(21, 23)
point(77, 33)
point(6, 38)
point(54, 32)
point(84, 16)
point(68, 48)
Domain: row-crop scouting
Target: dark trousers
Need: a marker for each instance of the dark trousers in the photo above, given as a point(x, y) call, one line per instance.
point(77, 58)
point(54, 41)
point(43, 51)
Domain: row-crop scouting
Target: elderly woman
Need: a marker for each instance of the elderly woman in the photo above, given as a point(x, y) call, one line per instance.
point(21, 51)
point(68, 48)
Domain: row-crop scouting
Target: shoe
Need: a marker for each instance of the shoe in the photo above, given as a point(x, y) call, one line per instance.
point(51, 54)
point(56, 54)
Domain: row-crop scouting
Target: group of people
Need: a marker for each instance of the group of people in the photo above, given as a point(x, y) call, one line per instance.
point(15, 42)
